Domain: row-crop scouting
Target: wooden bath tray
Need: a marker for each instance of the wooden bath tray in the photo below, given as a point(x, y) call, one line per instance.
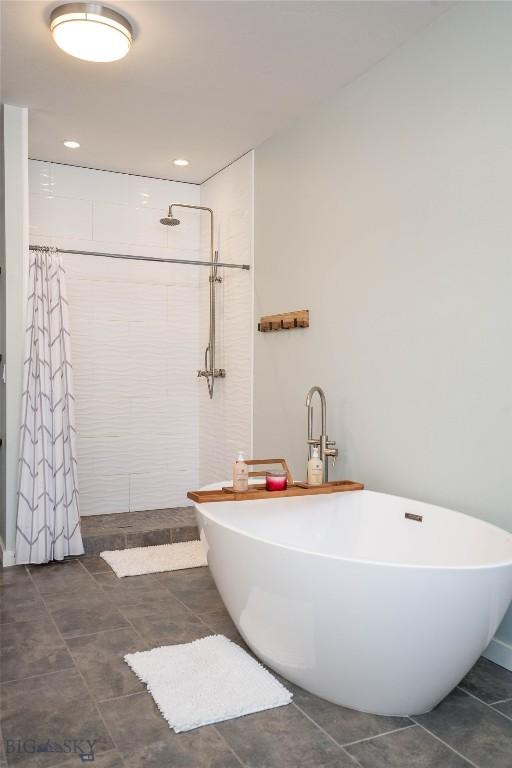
point(260, 492)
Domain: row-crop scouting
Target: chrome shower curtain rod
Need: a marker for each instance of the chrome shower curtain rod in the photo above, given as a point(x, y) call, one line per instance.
point(142, 258)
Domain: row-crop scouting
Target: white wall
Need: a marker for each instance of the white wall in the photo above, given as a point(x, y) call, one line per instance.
point(134, 332)
point(13, 299)
point(226, 421)
point(387, 214)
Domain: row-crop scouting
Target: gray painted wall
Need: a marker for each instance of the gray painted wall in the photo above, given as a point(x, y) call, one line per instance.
point(2, 328)
point(387, 213)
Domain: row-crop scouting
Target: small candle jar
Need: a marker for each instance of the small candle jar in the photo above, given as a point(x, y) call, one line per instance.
point(276, 481)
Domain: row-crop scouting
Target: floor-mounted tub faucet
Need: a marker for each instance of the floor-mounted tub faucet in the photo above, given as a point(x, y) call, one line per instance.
point(325, 445)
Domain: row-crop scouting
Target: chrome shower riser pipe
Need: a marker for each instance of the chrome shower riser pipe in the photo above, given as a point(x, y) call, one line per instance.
point(210, 373)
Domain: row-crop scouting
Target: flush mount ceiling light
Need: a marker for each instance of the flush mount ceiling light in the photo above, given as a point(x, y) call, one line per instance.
point(90, 31)
point(180, 161)
point(71, 144)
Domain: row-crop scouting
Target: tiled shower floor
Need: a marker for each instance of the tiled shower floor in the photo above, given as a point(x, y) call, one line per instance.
point(138, 529)
point(65, 628)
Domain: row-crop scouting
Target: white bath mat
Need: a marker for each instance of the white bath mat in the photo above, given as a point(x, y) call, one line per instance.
point(162, 557)
point(206, 681)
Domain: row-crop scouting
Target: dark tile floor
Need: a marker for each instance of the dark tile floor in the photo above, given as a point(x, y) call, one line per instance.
point(138, 529)
point(65, 628)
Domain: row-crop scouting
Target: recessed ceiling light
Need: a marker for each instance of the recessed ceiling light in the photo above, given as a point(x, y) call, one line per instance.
point(71, 144)
point(90, 31)
point(180, 161)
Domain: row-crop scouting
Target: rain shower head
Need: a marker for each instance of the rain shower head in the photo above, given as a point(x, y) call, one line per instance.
point(169, 220)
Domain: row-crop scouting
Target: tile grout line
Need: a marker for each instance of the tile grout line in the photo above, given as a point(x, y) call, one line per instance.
point(500, 701)
point(13, 621)
point(184, 605)
point(122, 696)
point(103, 592)
point(41, 674)
point(166, 588)
point(489, 706)
point(94, 702)
point(72, 591)
point(378, 735)
point(193, 613)
point(230, 748)
point(467, 759)
point(328, 735)
point(209, 626)
point(507, 717)
point(92, 634)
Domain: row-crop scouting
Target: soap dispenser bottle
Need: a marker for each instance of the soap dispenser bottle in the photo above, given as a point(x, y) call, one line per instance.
point(240, 474)
point(315, 468)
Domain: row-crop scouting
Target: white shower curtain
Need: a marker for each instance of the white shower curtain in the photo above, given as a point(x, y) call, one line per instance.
point(48, 521)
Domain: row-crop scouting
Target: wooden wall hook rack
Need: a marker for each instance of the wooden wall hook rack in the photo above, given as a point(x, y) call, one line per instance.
point(285, 321)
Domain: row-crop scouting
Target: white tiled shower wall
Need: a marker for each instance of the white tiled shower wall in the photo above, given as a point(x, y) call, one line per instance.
point(135, 332)
point(225, 423)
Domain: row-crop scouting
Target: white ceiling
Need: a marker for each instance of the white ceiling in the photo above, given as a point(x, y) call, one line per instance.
point(204, 80)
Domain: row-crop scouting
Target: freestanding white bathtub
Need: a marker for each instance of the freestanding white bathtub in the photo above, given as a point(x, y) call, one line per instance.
point(352, 600)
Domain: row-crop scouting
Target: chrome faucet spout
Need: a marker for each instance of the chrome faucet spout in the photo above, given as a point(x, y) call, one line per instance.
point(325, 445)
point(323, 405)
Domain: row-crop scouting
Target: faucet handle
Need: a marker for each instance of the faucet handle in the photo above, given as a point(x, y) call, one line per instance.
point(329, 443)
point(313, 441)
point(333, 453)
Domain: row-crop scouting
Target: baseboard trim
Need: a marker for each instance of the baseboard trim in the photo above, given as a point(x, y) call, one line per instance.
point(499, 652)
point(8, 555)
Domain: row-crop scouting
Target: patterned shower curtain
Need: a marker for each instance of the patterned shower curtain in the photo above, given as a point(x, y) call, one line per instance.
point(48, 522)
